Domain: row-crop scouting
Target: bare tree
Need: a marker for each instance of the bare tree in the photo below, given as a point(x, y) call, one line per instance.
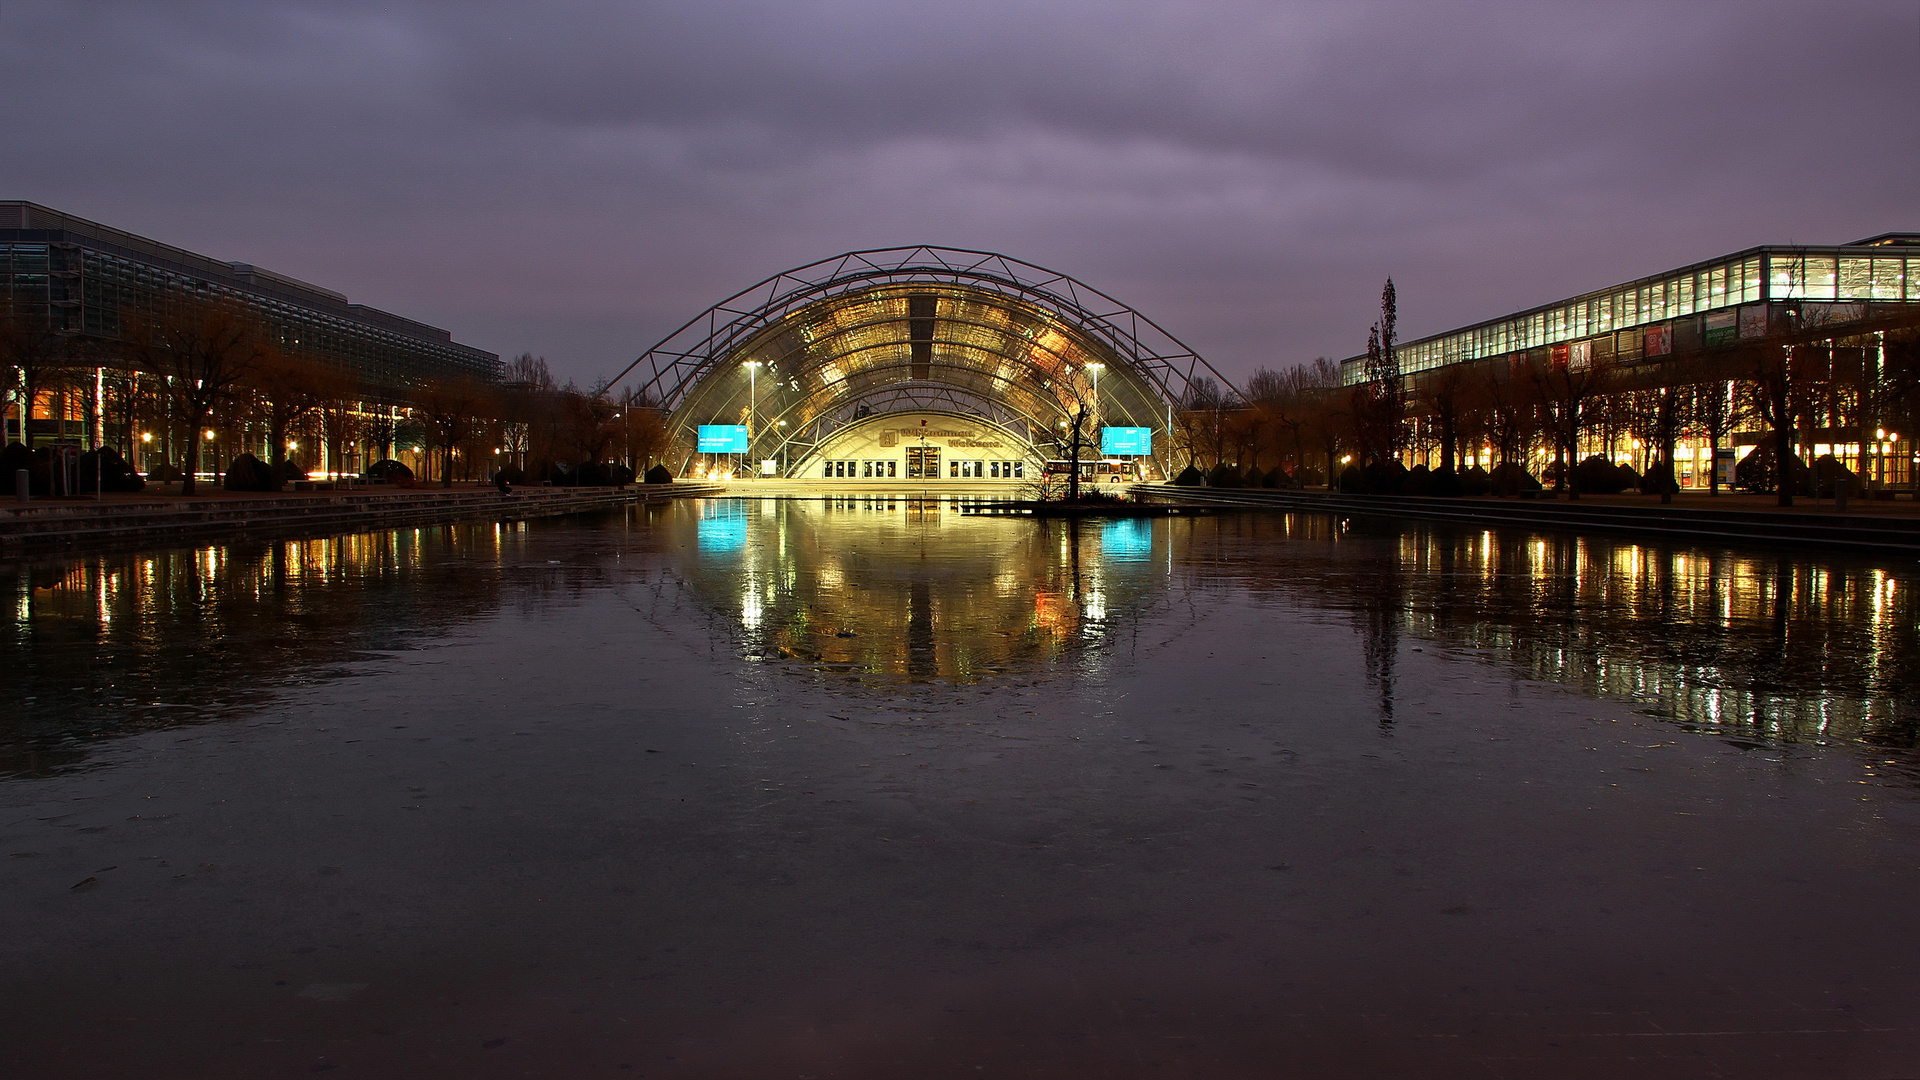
point(203, 353)
point(290, 388)
point(449, 409)
point(42, 356)
point(1572, 395)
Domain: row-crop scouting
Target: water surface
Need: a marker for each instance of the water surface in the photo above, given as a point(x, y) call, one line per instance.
point(870, 787)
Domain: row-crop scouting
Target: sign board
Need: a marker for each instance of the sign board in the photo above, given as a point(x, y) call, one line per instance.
point(769, 467)
point(1659, 339)
point(1126, 440)
point(1580, 356)
point(1723, 464)
point(723, 438)
point(1720, 327)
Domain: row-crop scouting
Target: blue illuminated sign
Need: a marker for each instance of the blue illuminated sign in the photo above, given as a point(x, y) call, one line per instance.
point(723, 438)
point(1126, 440)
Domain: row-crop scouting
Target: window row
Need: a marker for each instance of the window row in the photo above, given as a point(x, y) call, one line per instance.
point(925, 465)
point(1777, 276)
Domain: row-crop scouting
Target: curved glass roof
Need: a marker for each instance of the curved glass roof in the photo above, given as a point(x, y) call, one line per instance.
point(895, 347)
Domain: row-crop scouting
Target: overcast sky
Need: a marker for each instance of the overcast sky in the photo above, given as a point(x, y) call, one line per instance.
point(577, 179)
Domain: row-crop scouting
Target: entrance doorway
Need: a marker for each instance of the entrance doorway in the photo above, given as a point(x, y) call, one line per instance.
point(923, 462)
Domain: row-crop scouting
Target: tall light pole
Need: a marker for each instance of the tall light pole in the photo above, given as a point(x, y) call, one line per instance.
point(753, 402)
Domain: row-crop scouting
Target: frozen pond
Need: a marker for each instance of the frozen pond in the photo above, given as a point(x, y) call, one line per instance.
point(871, 788)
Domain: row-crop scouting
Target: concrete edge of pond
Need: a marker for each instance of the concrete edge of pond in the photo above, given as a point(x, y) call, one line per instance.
point(67, 525)
point(1827, 530)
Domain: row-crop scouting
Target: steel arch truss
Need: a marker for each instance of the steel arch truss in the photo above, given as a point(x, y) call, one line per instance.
point(811, 349)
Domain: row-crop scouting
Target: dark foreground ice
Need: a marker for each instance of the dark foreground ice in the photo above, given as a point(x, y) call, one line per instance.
point(871, 789)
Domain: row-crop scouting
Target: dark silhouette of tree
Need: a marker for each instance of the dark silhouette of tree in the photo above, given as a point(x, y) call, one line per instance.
point(42, 356)
point(449, 410)
point(1572, 395)
point(203, 353)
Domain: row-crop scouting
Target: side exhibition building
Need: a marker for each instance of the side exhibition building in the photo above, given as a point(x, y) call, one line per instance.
point(88, 281)
point(1830, 309)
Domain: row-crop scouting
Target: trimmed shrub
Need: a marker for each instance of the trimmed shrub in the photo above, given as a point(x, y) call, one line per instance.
point(1224, 476)
point(1352, 481)
point(113, 471)
point(659, 474)
point(1509, 480)
point(161, 472)
point(1659, 479)
point(512, 474)
point(1755, 472)
point(601, 474)
point(12, 459)
point(249, 473)
point(287, 472)
point(1445, 482)
point(1385, 478)
point(1476, 481)
point(1189, 477)
point(393, 472)
point(1598, 476)
point(1831, 475)
point(1419, 481)
point(1275, 478)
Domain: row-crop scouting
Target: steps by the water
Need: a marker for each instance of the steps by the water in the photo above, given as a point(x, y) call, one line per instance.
point(68, 522)
point(1889, 532)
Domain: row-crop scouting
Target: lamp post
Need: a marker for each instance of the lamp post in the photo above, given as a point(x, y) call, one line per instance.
point(753, 402)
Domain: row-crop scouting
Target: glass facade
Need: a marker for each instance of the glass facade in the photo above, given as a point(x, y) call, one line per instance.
point(93, 280)
point(1852, 273)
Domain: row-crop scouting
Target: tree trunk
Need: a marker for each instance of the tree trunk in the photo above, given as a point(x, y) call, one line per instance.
point(1073, 460)
point(1783, 443)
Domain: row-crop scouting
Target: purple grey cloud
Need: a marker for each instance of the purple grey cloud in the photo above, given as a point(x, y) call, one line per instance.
point(575, 179)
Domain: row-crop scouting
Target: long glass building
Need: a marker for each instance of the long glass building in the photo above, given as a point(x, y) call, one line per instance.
point(1746, 295)
point(88, 279)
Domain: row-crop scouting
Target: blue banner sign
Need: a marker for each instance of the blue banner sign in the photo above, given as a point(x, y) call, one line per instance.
point(1126, 440)
point(723, 438)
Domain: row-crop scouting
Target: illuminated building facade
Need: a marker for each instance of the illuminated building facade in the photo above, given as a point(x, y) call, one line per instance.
point(1741, 297)
point(1700, 324)
point(90, 280)
point(995, 350)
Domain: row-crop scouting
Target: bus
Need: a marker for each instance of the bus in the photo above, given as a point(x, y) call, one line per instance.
point(1094, 470)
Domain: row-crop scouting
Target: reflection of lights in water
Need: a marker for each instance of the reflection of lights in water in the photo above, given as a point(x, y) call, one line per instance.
point(722, 527)
point(750, 608)
point(1127, 539)
point(1095, 610)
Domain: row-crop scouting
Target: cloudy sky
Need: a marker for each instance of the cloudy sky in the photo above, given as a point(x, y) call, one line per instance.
point(576, 179)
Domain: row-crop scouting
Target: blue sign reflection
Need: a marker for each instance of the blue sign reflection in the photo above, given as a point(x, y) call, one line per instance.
point(722, 527)
point(1127, 539)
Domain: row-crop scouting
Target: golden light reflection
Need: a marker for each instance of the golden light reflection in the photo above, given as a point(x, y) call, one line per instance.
point(910, 590)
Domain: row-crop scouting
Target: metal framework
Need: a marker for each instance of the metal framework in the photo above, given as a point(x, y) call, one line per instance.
point(807, 351)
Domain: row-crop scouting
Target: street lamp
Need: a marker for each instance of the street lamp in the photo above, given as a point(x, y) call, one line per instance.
point(753, 370)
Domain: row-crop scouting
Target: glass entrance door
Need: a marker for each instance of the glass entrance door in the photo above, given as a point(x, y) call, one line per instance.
point(923, 462)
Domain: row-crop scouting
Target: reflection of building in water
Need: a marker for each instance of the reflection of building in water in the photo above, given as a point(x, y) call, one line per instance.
point(1758, 642)
point(908, 588)
point(114, 643)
